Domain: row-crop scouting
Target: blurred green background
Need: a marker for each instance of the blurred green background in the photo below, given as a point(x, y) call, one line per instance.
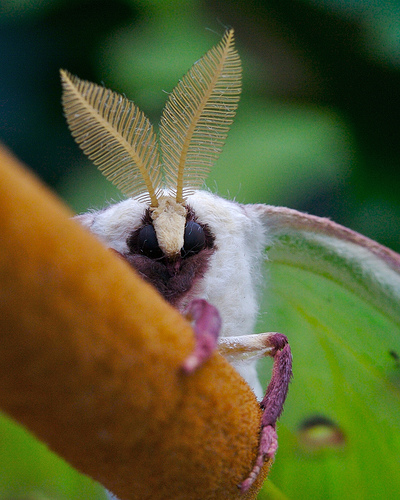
point(318, 123)
point(317, 127)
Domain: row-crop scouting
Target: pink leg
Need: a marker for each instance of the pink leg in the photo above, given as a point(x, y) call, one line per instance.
point(207, 325)
point(272, 404)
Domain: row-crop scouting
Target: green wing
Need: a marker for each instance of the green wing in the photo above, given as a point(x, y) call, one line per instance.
point(336, 295)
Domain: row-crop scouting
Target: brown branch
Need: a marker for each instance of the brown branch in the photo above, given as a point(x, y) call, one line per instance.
point(90, 361)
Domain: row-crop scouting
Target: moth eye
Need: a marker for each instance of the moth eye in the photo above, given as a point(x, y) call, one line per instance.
point(147, 242)
point(194, 239)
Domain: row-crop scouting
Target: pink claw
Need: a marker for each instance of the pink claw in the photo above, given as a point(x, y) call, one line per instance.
point(207, 325)
point(272, 404)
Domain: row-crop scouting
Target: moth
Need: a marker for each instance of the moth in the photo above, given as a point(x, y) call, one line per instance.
point(204, 254)
point(193, 246)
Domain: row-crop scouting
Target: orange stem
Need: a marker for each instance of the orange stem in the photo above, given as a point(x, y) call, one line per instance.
point(90, 359)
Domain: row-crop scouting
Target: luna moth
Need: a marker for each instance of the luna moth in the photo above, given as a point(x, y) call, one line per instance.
point(204, 253)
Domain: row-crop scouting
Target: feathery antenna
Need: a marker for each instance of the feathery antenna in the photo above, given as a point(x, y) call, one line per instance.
point(115, 135)
point(197, 117)
point(120, 140)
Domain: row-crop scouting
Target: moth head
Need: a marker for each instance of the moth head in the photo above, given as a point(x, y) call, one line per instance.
point(120, 140)
point(158, 238)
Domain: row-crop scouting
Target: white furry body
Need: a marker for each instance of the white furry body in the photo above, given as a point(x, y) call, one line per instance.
point(233, 276)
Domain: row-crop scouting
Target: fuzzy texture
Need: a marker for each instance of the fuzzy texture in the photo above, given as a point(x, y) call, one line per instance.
point(228, 277)
point(91, 357)
point(169, 223)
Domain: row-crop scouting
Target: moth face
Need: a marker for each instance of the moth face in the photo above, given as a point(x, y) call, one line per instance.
point(219, 260)
point(174, 276)
point(128, 228)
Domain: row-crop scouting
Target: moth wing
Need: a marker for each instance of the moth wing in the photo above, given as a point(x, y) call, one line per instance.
point(336, 295)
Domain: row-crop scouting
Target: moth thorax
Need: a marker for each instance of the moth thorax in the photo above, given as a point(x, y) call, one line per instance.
point(169, 220)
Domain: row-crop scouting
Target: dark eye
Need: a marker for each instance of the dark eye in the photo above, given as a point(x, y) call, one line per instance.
point(194, 239)
point(147, 242)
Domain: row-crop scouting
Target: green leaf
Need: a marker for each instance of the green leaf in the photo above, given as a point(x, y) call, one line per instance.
point(29, 471)
point(270, 492)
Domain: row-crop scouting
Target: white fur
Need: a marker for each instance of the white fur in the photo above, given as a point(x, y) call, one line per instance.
point(233, 276)
point(114, 224)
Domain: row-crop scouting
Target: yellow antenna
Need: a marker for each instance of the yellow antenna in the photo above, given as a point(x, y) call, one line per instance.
point(115, 135)
point(197, 117)
point(120, 140)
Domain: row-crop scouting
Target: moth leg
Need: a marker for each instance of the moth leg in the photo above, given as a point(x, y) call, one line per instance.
point(206, 323)
point(272, 404)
